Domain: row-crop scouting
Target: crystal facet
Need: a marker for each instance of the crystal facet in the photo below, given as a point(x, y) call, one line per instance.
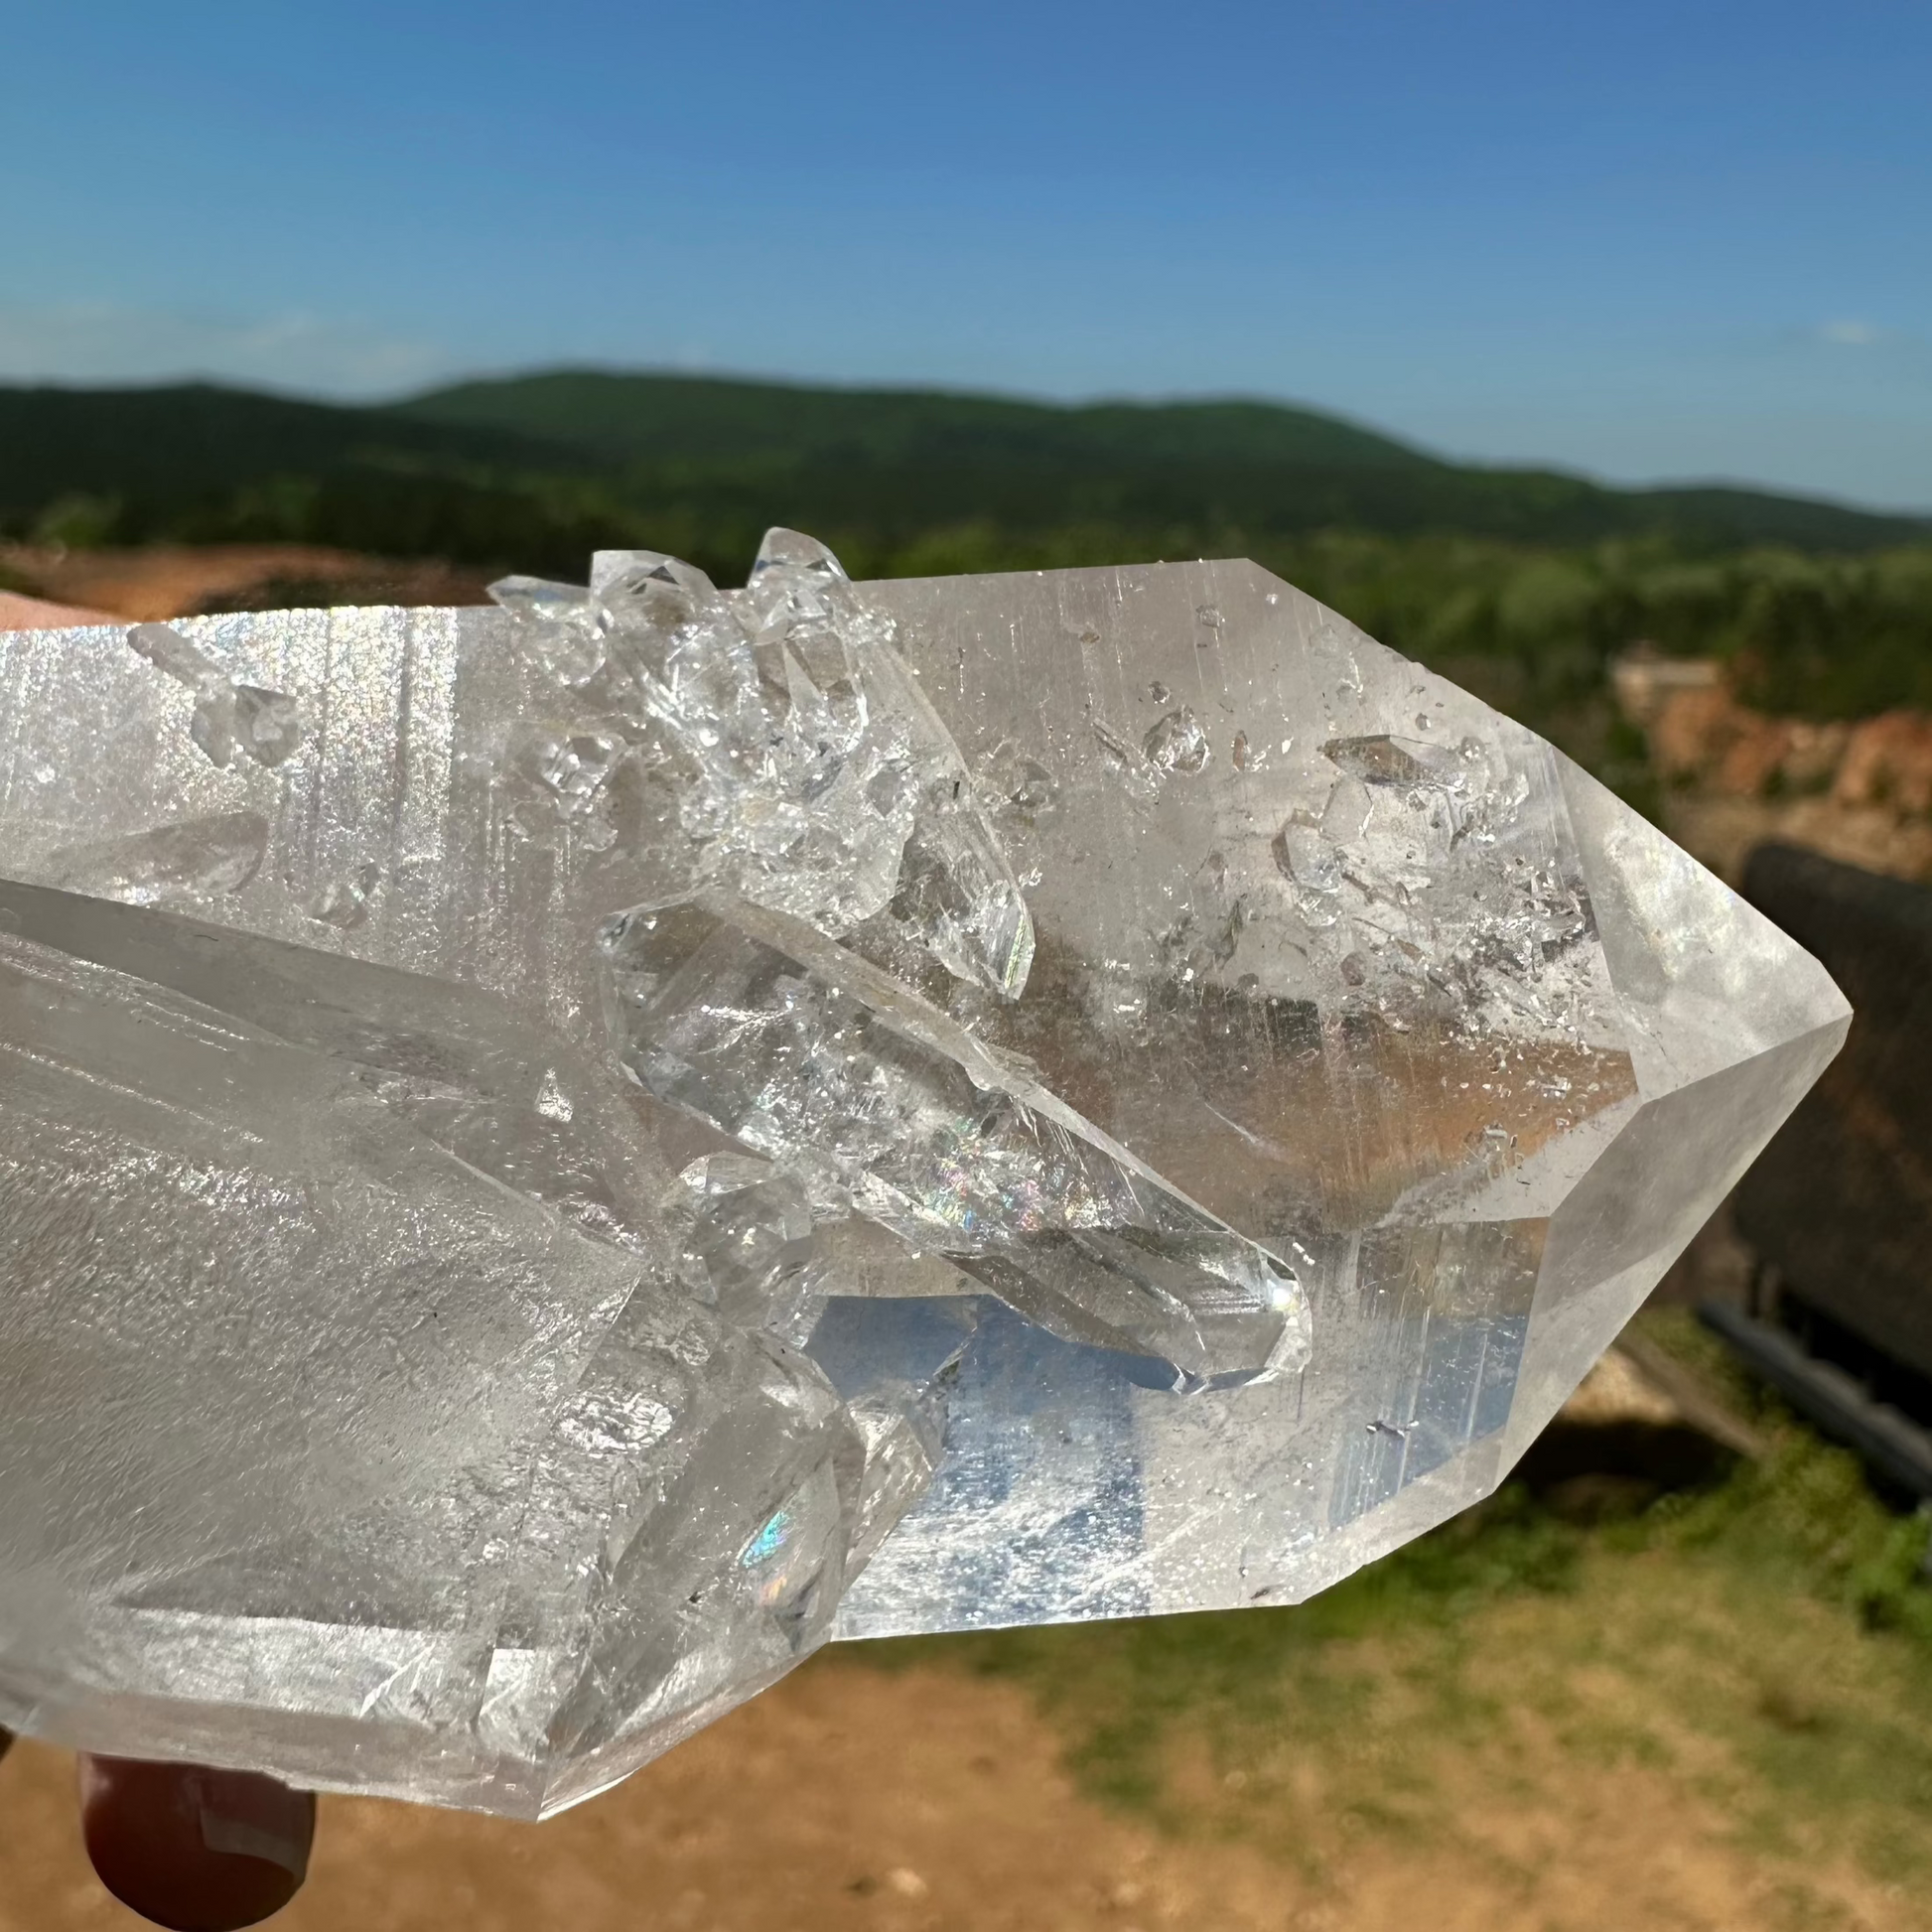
point(809, 773)
point(881, 1105)
point(1138, 1099)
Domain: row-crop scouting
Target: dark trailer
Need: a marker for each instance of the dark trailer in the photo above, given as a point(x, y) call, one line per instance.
point(1838, 1207)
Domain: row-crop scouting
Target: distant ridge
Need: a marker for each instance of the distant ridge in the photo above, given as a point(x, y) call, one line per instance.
point(533, 468)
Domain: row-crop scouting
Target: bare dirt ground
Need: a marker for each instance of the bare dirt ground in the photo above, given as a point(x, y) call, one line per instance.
point(932, 1801)
point(1720, 832)
point(152, 585)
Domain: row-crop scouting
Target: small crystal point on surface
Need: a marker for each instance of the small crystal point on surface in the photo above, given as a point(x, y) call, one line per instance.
point(266, 725)
point(1140, 1099)
point(811, 774)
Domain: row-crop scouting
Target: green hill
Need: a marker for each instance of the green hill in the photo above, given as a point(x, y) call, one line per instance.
point(1521, 582)
point(174, 446)
point(903, 460)
point(529, 470)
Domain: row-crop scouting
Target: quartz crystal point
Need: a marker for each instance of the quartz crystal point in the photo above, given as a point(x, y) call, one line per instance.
point(886, 1107)
point(1140, 1099)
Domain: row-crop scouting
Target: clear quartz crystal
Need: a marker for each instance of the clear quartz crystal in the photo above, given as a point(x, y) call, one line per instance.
point(745, 1240)
point(811, 774)
point(266, 725)
point(570, 1489)
point(1030, 980)
point(884, 1106)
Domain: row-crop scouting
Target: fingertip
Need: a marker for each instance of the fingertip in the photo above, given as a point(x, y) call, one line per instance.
point(192, 1849)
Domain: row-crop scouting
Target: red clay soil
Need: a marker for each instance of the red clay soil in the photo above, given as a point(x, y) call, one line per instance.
point(177, 582)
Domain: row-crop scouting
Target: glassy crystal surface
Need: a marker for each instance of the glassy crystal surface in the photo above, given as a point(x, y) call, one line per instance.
point(266, 725)
point(362, 1449)
point(802, 767)
point(416, 1382)
point(877, 1103)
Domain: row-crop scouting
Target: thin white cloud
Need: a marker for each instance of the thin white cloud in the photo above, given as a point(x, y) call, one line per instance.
point(1849, 334)
point(83, 342)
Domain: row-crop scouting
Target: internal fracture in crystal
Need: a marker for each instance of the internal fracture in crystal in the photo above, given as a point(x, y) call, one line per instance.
point(554, 1157)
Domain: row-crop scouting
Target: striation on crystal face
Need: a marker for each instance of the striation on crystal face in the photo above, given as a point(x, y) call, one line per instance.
point(1142, 1100)
point(585, 1513)
point(604, 1509)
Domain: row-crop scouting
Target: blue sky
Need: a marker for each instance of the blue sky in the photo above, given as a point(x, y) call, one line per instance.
point(1645, 240)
